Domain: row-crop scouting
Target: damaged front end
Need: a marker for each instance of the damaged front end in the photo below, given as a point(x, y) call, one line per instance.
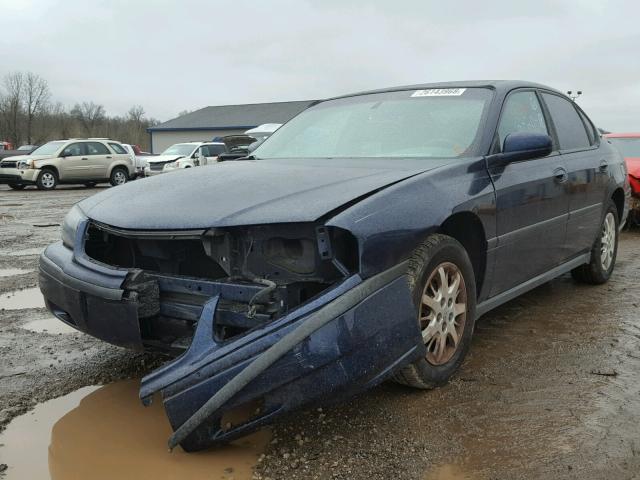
point(263, 318)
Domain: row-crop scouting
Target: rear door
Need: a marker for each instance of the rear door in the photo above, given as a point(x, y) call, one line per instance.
point(75, 163)
point(587, 169)
point(100, 157)
point(531, 200)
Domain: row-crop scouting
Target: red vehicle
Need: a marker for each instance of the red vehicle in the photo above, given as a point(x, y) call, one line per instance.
point(629, 146)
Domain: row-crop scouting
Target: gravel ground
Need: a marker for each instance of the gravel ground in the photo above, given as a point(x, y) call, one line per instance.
point(551, 388)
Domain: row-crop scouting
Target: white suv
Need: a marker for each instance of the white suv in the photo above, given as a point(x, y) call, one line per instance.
point(85, 161)
point(184, 155)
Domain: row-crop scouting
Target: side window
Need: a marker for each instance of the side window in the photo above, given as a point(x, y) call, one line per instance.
point(117, 148)
point(571, 132)
point(95, 148)
point(591, 130)
point(215, 150)
point(73, 150)
point(521, 113)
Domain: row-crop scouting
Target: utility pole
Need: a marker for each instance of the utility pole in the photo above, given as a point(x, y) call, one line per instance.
point(574, 97)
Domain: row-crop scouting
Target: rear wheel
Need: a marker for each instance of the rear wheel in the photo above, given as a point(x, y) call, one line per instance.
point(603, 253)
point(442, 283)
point(15, 186)
point(47, 180)
point(119, 176)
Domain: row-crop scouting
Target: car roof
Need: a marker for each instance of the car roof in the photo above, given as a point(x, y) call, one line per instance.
point(622, 135)
point(501, 86)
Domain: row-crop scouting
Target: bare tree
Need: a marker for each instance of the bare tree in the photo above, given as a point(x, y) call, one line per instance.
point(136, 114)
point(36, 97)
point(12, 106)
point(90, 115)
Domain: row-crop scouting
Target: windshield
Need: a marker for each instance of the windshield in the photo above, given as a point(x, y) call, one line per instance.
point(184, 149)
point(629, 147)
point(48, 148)
point(410, 123)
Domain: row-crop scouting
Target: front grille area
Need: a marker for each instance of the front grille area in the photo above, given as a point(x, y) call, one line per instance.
point(8, 164)
point(259, 272)
point(157, 166)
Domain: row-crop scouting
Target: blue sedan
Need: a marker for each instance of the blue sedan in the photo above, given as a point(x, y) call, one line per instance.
point(360, 242)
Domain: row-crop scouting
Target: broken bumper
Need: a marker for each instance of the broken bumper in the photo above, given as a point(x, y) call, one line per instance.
point(18, 177)
point(370, 330)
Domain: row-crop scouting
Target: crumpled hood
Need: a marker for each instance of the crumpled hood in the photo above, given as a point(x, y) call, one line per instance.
point(633, 166)
point(244, 193)
point(163, 158)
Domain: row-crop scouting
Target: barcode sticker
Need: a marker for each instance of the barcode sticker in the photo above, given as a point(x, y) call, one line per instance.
point(439, 92)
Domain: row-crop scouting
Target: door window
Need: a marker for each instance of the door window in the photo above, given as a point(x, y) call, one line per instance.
point(521, 113)
point(73, 150)
point(117, 148)
point(95, 148)
point(572, 134)
point(212, 150)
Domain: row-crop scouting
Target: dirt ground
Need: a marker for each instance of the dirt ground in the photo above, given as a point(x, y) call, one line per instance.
point(550, 389)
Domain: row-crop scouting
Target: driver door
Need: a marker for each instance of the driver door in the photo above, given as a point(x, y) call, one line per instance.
point(532, 203)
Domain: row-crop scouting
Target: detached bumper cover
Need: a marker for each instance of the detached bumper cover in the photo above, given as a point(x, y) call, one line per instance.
point(370, 331)
point(19, 177)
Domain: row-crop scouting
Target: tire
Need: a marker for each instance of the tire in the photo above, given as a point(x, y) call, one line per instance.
point(604, 251)
point(119, 176)
point(15, 186)
point(47, 180)
point(90, 184)
point(440, 252)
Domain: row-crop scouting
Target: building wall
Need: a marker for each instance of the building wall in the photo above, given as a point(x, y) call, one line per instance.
point(162, 140)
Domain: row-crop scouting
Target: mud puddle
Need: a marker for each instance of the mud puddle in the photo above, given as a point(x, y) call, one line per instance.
point(48, 325)
point(22, 299)
point(10, 272)
point(22, 253)
point(105, 433)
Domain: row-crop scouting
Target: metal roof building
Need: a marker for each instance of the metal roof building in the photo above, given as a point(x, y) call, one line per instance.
point(218, 121)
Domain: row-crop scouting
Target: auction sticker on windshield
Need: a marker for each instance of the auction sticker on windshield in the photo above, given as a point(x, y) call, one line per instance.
point(439, 92)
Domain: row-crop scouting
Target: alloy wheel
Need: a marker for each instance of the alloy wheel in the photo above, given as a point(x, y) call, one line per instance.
point(443, 312)
point(608, 241)
point(47, 180)
point(119, 177)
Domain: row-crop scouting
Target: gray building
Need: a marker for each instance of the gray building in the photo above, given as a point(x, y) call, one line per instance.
point(218, 121)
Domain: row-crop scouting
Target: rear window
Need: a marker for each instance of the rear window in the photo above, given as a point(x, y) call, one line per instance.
point(95, 148)
point(572, 134)
point(117, 148)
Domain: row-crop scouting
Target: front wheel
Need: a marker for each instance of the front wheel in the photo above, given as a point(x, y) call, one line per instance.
point(442, 284)
point(604, 251)
point(119, 176)
point(47, 180)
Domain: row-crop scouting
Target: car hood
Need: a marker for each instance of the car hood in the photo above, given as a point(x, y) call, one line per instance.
point(633, 166)
point(164, 158)
point(245, 193)
point(23, 158)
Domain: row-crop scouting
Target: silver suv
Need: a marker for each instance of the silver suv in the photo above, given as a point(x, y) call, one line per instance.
point(85, 161)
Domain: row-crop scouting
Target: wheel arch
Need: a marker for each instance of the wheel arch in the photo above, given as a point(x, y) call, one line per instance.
point(467, 228)
point(618, 198)
point(120, 165)
point(52, 168)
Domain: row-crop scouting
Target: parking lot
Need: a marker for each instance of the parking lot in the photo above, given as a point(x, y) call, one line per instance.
point(551, 388)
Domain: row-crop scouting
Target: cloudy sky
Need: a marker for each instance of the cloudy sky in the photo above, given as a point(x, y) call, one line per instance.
point(170, 56)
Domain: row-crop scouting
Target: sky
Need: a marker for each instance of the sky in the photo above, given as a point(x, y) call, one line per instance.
point(171, 56)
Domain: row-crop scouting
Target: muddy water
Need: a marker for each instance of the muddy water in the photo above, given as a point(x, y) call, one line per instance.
point(21, 299)
point(10, 272)
point(48, 325)
point(105, 433)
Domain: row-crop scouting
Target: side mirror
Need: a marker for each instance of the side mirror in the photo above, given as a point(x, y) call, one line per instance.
point(65, 154)
point(526, 146)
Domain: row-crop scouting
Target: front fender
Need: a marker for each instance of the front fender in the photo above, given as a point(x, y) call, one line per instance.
point(390, 224)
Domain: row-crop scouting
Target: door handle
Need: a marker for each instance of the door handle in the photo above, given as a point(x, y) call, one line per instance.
point(109, 156)
point(84, 158)
point(560, 175)
point(604, 166)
